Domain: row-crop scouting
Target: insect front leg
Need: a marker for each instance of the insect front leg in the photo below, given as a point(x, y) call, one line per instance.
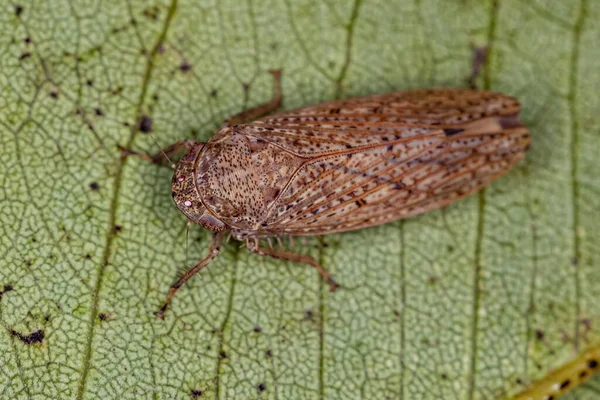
point(262, 109)
point(163, 157)
point(289, 256)
point(215, 249)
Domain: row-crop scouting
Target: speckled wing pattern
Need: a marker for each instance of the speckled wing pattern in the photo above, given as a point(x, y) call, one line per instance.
point(376, 159)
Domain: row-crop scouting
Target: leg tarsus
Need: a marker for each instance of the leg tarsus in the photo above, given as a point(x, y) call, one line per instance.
point(261, 109)
point(298, 258)
point(215, 248)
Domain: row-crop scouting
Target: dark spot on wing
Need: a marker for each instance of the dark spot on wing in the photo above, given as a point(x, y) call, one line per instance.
point(452, 131)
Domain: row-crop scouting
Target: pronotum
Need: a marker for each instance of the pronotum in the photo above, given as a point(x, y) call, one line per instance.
point(341, 165)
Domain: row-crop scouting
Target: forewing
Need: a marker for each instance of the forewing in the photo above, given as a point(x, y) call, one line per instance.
point(380, 158)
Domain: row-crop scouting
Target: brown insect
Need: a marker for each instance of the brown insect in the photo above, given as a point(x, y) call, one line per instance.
point(342, 165)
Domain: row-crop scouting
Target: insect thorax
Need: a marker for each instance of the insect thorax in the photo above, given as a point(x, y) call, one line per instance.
point(240, 176)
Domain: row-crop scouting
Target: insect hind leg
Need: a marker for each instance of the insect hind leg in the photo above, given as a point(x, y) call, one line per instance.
point(278, 254)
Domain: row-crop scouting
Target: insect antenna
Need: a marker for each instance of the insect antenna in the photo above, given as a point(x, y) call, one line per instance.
point(163, 153)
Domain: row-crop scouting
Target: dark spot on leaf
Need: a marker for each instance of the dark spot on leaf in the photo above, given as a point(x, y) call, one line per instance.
point(196, 393)
point(269, 353)
point(18, 10)
point(592, 364)
point(103, 317)
point(452, 131)
point(133, 22)
point(214, 93)
point(257, 329)
point(582, 374)
point(27, 40)
point(185, 66)
point(173, 194)
point(117, 228)
point(246, 86)
point(94, 186)
point(25, 55)
point(565, 384)
point(261, 387)
point(117, 91)
point(90, 82)
point(34, 337)
point(7, 288)
point(152, 12)
point(308, 314)
point(222, 354)
point(574, 261)
point(539, 334)
point(444, 376)
point(145, 124)
point(99, 112)
point(54, 94)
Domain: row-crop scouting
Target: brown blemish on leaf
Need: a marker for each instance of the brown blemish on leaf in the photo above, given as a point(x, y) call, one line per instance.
point(105, 316)
point(185, 66)
point(36, 336)
point(25, 55)
point(145, 124)
point(196, 393)
point(7, 288)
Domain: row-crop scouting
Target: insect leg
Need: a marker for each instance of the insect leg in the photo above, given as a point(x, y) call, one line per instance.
point(298, 258)
point(215, 248)
point(262, 109)
point(163, 157)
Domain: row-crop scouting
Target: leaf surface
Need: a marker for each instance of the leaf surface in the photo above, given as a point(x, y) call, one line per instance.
point(473, 301)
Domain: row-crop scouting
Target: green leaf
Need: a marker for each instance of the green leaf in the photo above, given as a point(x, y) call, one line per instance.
point(474, 301)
